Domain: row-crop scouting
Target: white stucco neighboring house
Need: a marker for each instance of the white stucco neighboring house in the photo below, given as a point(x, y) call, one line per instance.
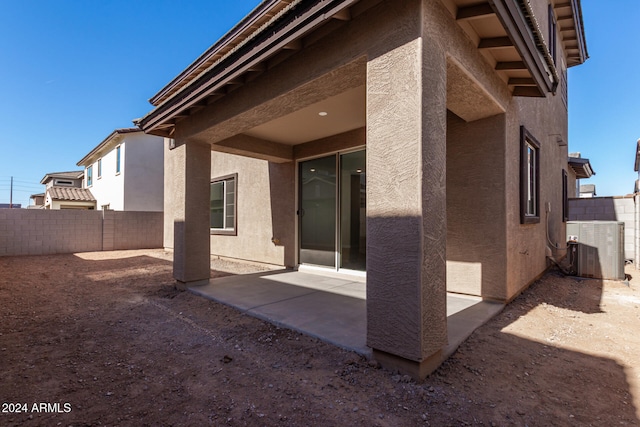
point(64, 190)
point(125, 171)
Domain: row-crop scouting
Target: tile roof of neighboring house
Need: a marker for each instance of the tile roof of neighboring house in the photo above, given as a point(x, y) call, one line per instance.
point(71, 193)
point(63, 175)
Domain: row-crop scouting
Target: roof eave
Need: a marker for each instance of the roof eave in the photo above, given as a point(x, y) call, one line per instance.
point(112, 136)
point(246, 22)
point(260, 48)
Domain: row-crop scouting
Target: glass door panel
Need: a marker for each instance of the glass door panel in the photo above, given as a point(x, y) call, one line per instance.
point(317, 213)
point(353, 214)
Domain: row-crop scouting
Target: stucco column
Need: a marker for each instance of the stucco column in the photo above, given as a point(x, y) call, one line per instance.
point(191, 163)
point(406, 207)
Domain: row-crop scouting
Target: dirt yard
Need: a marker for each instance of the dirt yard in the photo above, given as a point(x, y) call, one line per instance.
point(104, 339)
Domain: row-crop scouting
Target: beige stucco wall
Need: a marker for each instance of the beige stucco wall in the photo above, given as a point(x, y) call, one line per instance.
point(438, 189)
point(519, 255)
point(476, 232)
point(265, 210)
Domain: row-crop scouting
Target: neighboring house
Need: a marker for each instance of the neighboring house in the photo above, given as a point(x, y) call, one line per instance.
point(579, 168)
point(422, 143)
point(125, 171)
point(63, 190)
point(38, 201)
point(587, 191)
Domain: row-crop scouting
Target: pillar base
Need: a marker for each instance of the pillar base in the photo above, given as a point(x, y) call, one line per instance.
point(183, 286)
point(416, 370)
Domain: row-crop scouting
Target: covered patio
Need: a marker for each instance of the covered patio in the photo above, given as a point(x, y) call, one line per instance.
point(330, 307)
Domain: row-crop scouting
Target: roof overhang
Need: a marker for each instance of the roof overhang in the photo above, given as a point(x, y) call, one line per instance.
point(113, 138)
point(62, 175)
point(506, 31)
point(508, 35)
point(636, 167)
point(275, 26)
point(581, 167)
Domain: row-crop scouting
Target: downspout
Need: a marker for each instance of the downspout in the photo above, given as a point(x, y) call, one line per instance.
point(540, 42)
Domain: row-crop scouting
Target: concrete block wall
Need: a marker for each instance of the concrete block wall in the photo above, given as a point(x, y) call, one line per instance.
point(618, 208)
point(134, 230)
point(40, 232)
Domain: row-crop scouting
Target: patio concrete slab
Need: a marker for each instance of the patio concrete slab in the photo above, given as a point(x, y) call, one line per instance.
point(330, 307)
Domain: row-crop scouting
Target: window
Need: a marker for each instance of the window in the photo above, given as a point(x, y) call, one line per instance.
point(118, 159)
point(223, 205)
point(529, 178)
point(63, 182)
point(90, 176)
point(99, 168)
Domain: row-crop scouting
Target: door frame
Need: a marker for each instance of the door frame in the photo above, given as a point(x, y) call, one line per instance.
point(338, 237)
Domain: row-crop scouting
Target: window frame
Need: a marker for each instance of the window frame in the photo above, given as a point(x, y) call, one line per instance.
point(226, 231)
point(527, 140)
point(118, 159)
point(89, 176)
point(99, 169)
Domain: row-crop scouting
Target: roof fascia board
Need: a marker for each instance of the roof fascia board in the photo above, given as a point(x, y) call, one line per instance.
point(113, 137)
point(510, 14)
point(579, 26)
point(255, 52)
point(226, 39)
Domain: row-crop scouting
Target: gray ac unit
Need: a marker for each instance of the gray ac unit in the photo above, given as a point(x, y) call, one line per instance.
point(600, 248)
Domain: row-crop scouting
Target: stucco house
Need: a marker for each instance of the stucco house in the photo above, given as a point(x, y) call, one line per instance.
point(125, 171)
point(38, 201)
point(64, 190)
point(422, 143)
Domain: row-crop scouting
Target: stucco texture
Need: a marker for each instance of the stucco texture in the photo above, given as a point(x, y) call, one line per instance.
point(442, 174)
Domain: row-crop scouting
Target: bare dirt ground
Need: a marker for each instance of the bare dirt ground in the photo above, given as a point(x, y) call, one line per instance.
point(105, 339)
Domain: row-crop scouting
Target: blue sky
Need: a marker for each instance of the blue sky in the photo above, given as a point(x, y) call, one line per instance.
point(71, 71)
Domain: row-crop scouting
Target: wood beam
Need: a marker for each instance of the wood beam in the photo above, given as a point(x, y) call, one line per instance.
point(259, 67)
point(238, 81)
point(511, 65)
point(527, 91)
point(343, 15)
point(245, 145)
point(495, 42)
point(294, 45)
point(521, 81)
point(474, 12)
point(562, 5)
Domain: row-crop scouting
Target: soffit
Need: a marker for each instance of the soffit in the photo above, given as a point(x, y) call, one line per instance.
point(581, 167)
point(510, 42)
point(344, 112)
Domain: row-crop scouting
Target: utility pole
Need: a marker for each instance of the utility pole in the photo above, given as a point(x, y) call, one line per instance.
point(11, 195)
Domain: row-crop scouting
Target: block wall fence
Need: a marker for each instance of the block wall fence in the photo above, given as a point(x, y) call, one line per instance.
point(40, 232)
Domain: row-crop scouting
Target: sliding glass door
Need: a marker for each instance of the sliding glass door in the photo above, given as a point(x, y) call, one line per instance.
point(332, 213)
